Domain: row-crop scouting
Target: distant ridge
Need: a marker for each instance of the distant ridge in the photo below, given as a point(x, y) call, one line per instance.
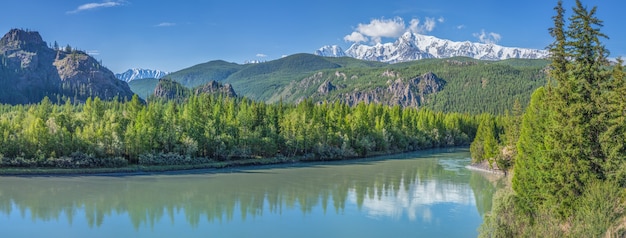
point(138, 73)
point(411, 46)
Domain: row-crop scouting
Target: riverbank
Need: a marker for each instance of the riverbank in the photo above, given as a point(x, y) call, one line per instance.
point(484, 167)
point(143, 169)
point(211, 166)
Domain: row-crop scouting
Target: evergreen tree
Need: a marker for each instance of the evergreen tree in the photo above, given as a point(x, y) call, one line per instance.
point(531, 164)
point(569, 127)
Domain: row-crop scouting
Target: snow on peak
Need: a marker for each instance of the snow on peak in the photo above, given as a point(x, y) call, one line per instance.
point(330, 51)
point(412, 46)
point(138, 73)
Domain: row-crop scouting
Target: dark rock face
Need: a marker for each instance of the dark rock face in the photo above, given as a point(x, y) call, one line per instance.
point(326, 87)
point(30, 71)
point(171, 90)
point(411, 93)
point(214, 87)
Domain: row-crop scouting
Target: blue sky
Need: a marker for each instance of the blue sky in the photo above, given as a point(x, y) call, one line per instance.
point(174, 34)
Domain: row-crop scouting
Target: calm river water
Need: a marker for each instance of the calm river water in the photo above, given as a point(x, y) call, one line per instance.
point(425, 194)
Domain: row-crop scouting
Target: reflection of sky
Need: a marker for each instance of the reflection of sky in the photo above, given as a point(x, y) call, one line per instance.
point(416, 201)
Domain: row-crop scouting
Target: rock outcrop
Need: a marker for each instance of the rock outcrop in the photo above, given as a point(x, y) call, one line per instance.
point(30, 71)
point(213, 87)
point(326, 87)
point(406, 93)
point(172, 90)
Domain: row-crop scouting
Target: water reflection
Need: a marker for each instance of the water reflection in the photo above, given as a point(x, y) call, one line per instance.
point(415, 201)
point(408, 188)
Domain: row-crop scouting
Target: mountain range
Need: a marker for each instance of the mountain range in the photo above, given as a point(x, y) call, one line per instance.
point(457, 84)
point(137, 73)
point(31, 70)
point(412, 46)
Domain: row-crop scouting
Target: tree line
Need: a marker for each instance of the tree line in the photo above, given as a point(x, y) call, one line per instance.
point(567, 149)
point(208, 127)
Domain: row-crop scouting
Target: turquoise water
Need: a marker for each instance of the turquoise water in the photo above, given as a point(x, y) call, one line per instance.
point(427, 194)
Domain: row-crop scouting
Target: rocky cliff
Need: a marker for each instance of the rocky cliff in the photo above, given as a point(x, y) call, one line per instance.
point(172, 90)
point(30, 70)
point(339, 86)
point(406, 93)
point(214, 87)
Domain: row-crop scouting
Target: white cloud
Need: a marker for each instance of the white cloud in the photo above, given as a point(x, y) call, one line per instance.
point(429, 24)
point(165, 24)
point(261, 55)
point(379, 28)
point(389, 28)
point(355, 37)
point(414, 25)
point(460, 26)
point(441, 20)
point(93, 5)
point(488, 37)
point(93, 52)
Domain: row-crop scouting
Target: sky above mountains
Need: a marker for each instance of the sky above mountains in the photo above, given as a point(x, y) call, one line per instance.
point(174, 34)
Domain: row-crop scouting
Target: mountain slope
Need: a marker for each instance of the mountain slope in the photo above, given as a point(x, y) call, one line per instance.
point(134, 74)
point(451, 85)
point(200, 74)
point(261, 81)
point(144, 88)
point(458, 84)
point(30, 71)
point(412, 46)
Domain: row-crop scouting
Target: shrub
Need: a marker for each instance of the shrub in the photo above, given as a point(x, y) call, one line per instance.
point(75, 161)
point(17, 162)
point(170, 159)
point(81, 160)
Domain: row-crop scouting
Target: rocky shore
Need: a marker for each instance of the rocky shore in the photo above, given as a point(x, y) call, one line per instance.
point(485, 167)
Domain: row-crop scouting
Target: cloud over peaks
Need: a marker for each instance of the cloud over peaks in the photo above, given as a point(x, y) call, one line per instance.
point(377, 29)
point(488, 37)
point(93, 5)
point(355, 37)
point(165, 24)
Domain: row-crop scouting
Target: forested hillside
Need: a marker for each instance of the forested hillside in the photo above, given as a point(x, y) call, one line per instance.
point(209, 128)
point(567, 150)
point(462, 85)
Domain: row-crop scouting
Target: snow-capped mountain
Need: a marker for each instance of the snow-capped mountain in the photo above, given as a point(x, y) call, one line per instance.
point(133, 74)
point(330, 51)
point(411, 46)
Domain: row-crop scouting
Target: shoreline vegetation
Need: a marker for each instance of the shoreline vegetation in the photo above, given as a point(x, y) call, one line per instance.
point(213, 166)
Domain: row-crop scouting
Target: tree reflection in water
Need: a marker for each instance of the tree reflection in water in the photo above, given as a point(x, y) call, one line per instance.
point(404, 185)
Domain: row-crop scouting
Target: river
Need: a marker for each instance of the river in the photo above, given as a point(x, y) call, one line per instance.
point(422, 194)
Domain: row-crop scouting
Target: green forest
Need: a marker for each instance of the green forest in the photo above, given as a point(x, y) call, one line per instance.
point(566, 152)
point(208, 128)
point(465, 85)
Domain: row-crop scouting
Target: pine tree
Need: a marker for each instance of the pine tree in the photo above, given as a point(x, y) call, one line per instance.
point(613, 139)
point(531, 164)
point(571, 125)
